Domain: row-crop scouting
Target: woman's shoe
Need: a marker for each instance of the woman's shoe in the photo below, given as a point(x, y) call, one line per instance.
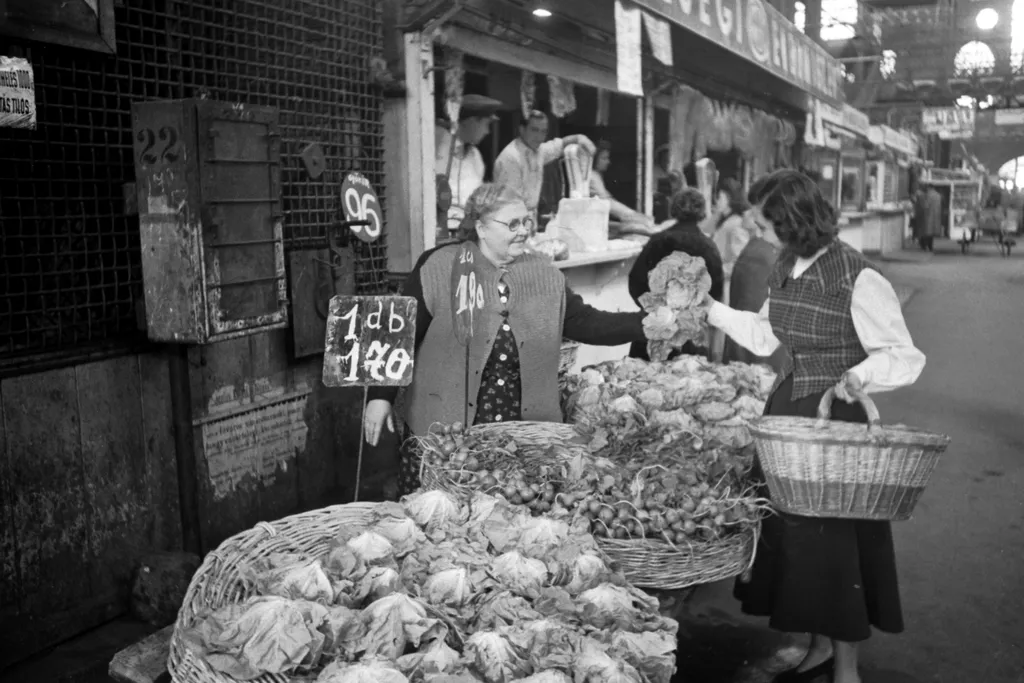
point(794, 676)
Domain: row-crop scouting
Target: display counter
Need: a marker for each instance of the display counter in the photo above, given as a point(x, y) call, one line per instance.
point(600, 277)
point(876, 231)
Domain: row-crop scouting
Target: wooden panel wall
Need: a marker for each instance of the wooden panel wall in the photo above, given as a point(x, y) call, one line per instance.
point(88, 483)
point(270, 440)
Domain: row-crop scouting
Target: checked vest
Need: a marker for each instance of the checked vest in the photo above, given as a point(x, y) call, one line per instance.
point(810, 315)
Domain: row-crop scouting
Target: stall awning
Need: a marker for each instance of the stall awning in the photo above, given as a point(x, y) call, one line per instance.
point(884, 136)
point(825, 123)
point(761, 35)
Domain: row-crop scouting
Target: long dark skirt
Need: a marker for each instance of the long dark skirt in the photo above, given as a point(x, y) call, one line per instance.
point(831, 577)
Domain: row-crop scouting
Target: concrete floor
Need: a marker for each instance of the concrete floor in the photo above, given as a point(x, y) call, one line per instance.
point(961, 558)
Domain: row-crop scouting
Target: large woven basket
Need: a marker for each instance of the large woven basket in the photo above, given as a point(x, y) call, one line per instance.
point(219, 580)
point(659, 565)
point(825, 468)
point(530, 434)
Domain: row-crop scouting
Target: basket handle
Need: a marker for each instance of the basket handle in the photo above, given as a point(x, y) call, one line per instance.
point(874, 418)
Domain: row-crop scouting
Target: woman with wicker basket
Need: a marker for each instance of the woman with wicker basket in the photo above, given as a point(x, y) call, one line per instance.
point(843, 326)
point(513, 358)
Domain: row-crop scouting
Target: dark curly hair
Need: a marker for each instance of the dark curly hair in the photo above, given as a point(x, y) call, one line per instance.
point(804, 220)
point(734, 191)
point(688, 206)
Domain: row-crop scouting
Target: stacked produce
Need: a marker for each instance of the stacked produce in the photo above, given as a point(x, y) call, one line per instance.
point(675, 304)
point(527, 464)
point(442, 588)
point(711, 403)
point(676, 433)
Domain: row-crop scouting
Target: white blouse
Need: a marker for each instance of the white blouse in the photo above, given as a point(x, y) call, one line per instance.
point(893, 361)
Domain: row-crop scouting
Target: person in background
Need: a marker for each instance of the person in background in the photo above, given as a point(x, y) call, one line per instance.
point(688, 210)
point(520, 166)
point(927, 217)
point(731, 234)
point(732, 231)
point(513, 358)
point(749, 288)
point(842, 325)
point(631, 222)
point(458, 159)
point(667, 187)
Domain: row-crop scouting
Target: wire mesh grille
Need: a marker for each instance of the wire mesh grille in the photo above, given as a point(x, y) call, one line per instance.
point(70, 271)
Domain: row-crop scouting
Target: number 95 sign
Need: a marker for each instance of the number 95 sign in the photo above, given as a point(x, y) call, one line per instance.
point(361, 205)
point(370, 341)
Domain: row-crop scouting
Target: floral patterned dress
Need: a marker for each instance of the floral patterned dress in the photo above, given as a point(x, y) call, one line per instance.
point(499, 398)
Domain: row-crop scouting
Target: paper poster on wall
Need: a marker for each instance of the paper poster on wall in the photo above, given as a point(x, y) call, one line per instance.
point(255, 444)
point(629, 64)
point(17, 93)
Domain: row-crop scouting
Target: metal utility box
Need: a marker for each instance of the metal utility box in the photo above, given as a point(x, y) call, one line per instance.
point(208, 179)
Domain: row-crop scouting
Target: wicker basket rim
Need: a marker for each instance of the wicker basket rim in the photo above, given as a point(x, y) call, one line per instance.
point(806, 429)
point(660, 546)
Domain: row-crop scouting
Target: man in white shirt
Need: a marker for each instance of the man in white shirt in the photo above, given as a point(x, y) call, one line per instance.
point(461, 164)
point(520, 166)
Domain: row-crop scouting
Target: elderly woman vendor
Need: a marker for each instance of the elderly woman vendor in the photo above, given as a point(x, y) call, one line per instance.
point(514, 356)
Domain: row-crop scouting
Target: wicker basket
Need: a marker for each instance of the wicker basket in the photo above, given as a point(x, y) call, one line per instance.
point(823, 468)
point(529, 434)
point(658, 565)
point(219, 580)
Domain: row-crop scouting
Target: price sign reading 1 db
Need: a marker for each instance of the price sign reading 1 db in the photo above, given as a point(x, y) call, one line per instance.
point(370, 341)
point(361, 206)
point(467, 293)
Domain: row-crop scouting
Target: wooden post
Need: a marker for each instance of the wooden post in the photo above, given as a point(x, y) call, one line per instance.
point(419, 131)
point(648, 156)
point(184, 448)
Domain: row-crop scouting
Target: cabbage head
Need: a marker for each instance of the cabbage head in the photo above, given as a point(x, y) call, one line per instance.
point(370, 670)
point(434, 509)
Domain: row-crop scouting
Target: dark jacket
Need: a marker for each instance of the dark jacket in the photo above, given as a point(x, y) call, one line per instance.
point(748, 292)
point(688, 239)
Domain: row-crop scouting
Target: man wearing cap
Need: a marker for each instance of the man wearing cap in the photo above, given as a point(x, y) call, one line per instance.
point(520, 166)
point(458, 159)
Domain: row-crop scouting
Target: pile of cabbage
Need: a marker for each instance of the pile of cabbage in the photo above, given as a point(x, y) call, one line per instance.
point(709, 403)
point(437, 589)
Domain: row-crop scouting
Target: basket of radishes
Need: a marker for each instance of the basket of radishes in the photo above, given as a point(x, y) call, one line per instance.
point(529, 463)
point(817, 467)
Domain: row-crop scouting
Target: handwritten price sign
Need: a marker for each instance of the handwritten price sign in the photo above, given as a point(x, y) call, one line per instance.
point(360, 203)
point(370, 341)
point(467, 293)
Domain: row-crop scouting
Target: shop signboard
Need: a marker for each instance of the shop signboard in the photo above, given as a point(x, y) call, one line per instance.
point(17, 94)
point(948, 122)
point(1009, 117)
point(760, 34)
point(899, 142)
point(845, 117)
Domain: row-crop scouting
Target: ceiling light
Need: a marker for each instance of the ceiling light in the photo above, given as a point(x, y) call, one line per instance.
point(987, 19)
point(542, 12)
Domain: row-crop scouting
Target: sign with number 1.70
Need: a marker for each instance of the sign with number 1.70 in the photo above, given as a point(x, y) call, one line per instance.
point(370, 341)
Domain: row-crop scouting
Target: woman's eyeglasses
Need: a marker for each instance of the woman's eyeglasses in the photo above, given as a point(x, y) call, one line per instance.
point(526, 223)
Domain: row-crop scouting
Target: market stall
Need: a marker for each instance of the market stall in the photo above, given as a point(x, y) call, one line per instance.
point(961, 195)
point(836, 150)
point(888, 189)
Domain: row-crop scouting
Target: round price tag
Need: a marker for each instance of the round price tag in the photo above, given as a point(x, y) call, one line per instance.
point(467, 293)
point(360, 203)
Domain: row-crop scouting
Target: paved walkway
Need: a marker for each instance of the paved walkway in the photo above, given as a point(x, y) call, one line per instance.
point(961, 558)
